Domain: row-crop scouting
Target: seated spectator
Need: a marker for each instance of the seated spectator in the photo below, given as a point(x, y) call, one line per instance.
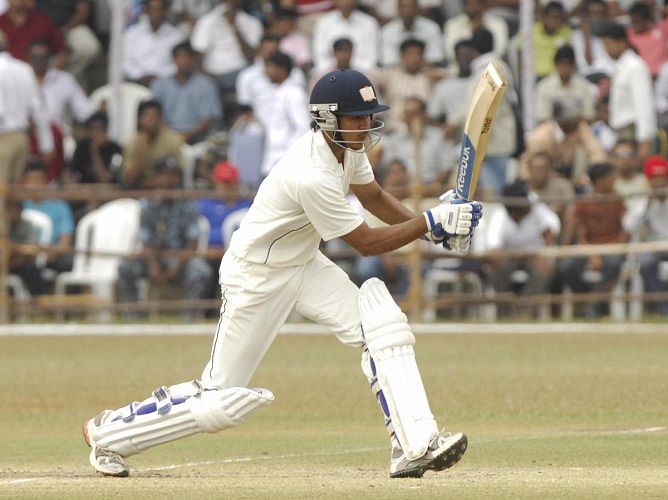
point(246, 148)
point(592, 59)
point(23, 264)
point(154, 140)
point(654, 228)
point(565, 83)
point(189, 99)
point(549, 33)
point(438, 155)
point(71, 17)
point(346, 21)
point(475, 15)
point(598, 220)
point(228, 201)
point(22, 24)
point(293, 42)
point(647, 38)
point(36, 178)
point(410, 25)
point(629, 180)
point(555, 191)
point(96, 157)
point(523, 224)
point(342, 48)
point(227, 38)
point(167, 226)
point(148, 45)
point(412, 78)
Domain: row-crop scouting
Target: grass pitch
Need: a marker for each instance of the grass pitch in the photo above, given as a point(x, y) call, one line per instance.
point(557, 416)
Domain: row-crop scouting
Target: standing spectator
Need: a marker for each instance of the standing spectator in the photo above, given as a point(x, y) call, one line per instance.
point(592, 59)
point(527, 224)
point(550, 33)
point(655, 228)
point(71, 17)
point(153, 141)
point(20, 105)
point(96, 157)
point(410, 25)
point(148, 45)
point(598, 220)
point(189, 99)
point(565, 83)
point(346, 21)
point(632, 109)
point(21, 231)
point(246, 148)
point(647, 38)
point(187, 12)
point(227, 38)
point(629, 180)
point(35, 178)
point(475, 16)
point(167, 225)
point(22, 24)
point(342, 48)
point(293, 42)
point(287, 118)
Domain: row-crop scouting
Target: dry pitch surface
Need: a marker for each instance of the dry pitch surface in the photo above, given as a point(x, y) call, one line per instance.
point(560, 416)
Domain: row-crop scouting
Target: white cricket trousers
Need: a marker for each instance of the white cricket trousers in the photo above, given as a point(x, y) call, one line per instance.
point(256, 301)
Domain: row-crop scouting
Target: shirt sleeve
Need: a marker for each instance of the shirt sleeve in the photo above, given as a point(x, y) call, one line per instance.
point(325, 206)
point(200, 36)
point(362, 173)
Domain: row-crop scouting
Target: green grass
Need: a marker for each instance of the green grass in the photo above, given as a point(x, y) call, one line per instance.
point(558, 416)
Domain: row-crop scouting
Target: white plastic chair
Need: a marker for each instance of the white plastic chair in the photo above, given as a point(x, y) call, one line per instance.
point(111, 228)
point(131, 94)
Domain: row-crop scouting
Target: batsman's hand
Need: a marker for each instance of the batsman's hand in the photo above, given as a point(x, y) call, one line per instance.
point(459, 245)
point(454, 217)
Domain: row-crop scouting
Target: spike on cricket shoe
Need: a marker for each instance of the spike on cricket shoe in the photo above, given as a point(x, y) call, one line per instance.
point(444, 451)
point(104, 461)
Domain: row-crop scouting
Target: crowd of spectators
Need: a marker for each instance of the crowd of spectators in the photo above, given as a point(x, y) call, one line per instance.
point(222, 90)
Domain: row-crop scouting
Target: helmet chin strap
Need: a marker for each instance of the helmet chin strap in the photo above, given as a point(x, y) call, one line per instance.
point(373, 136)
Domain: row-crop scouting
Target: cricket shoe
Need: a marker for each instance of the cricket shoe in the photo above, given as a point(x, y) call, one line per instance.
point(444, 451)
point(104, 461)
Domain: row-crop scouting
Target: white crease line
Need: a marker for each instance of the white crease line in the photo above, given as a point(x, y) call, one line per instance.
point(634, 431)
point(20, 481)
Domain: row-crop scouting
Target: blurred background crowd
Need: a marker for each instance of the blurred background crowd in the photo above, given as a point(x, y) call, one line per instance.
point(213, 93)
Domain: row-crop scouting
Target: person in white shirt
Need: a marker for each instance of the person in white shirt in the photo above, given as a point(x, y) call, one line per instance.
point(227, 38)
point(475, 15)
point(661, 90)
point(410, 25)
point(273, 265)
point(632, 111)
point(148, 45)
point(21, 104)
point(346, 22)
point(590, 55)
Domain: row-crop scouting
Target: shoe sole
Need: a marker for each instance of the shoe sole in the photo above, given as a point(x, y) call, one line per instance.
point(444, 460)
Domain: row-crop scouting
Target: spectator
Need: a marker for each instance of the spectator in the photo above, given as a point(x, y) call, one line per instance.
point(503, 137)
point(287, 117)
point(227, 38)
point(342, 48)
point(71, 17)
point(654, 228)
point(22, 24)
point(293, 43)
point(661, 89)
point(412, 78)
point(35, 178)
point(629, 179)
point(227, 205)
point(632, 109)
point(475, 16)
point(148, 45)
point(410, 25)
point(555, 191)
point(565, 83)
point(23, 264)
point(167, 225)
point(647, 38)
point(246, 148)
point(592, 59)
point(598, 220)
point(568, 140)
point(189, 99)
point(346, 21)
point(186, 13)
point(154, 140)
point(21, 105)
point(524, 223)
point(438, 157)
point(550, 33)
point(96, 157)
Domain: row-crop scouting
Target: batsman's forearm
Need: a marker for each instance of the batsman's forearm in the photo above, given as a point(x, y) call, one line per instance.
point(386, 239)
point(390, 210)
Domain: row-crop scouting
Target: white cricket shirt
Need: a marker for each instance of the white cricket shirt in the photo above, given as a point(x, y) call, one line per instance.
point(300, 202)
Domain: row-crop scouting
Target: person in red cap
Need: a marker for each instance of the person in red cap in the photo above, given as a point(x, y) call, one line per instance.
point(655, 228)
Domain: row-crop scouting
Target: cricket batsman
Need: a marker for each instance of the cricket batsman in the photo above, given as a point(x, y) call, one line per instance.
point(273, 266)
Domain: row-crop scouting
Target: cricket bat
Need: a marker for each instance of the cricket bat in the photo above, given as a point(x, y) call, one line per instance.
point(483, 106)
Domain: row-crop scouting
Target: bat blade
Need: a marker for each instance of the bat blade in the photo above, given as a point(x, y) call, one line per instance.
point(482, 109)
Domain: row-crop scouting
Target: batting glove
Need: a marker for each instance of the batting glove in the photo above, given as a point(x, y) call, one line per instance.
point(455, 218)
point(458, 244)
